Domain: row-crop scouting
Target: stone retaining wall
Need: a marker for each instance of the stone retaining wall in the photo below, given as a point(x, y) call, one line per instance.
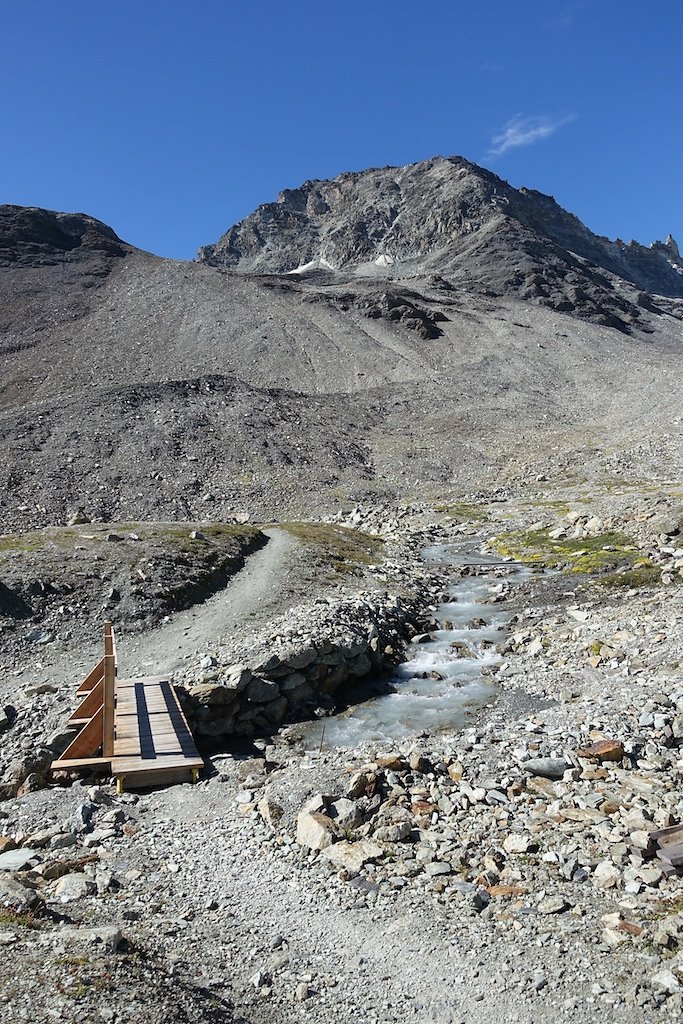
point(357, 640)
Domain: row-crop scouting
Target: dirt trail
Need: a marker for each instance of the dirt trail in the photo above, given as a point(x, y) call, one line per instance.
point(271, 580)
point(397, 961)
point(262, 588)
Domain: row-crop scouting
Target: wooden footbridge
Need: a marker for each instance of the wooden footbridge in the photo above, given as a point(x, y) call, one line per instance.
point(135, 727)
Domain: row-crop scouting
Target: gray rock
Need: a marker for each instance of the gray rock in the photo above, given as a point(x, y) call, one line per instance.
point(82, 817)
point(60, 740)
point(17, 860)
point(107, 936)
point(396, 833)
point(18, 897)
point(553, 905)
point(63, 840)
point(270, 811)
point(262, 690)
point(346, 813)
point(547, 767)
point(438, 868)
point(664, 980)
point(74, 887)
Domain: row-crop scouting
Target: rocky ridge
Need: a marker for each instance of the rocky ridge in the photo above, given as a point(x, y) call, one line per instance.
point(449, 217)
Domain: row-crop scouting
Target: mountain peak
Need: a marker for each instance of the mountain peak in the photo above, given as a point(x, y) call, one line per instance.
point(450, 217)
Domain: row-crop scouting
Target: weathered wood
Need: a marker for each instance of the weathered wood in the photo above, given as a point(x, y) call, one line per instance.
point(137, 724)
point(109, 705)
point(108, 639)
point(92, 703)
point(78, 762)
point(156, 777)
point(88, 742)
point(674, 833)
point(669, 845)
point(93, 678)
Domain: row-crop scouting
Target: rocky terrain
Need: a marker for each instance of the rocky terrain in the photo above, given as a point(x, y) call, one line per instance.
point(514, 855)
point(244, 462)
point(451, 218)
point(195, 391)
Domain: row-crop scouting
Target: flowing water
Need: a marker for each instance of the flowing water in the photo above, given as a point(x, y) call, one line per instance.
point(443, 679)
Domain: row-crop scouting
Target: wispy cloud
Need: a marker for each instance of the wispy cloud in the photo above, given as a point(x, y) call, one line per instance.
point(524, 131)
point(568, 14)
point(491, 66)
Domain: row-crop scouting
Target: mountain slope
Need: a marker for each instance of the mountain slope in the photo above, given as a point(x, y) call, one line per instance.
point(140, 387)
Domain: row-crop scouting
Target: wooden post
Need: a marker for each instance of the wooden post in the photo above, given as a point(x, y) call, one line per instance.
point(109, 677)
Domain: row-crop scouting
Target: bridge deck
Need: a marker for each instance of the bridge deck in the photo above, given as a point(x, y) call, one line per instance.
point(151, 735)
point(152, 742)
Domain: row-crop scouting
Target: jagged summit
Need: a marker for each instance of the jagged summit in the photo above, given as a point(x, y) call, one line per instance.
point(446, 216)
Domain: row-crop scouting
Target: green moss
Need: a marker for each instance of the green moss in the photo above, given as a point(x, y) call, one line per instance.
point(464, 511)
point(586, 555)
point(345, 549)
point(16, 919)
point(643, 574)
point(552, 504)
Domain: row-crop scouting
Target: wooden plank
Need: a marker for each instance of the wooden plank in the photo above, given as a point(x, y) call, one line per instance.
point(108, 639)
point(90, 705)
point(88, 742)
point(78, 762)
point(138, 724)
point(109, 701)
point(663, 836)
point(157, 777)
point(126, 704)
point(122, 765)
point(122, 684)
point(93, 678)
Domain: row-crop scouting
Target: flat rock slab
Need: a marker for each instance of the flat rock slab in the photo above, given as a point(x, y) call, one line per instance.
point(107, 936)
point(16, 860)
point(546, 767)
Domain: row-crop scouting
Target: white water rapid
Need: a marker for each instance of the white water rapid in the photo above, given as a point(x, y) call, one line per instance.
point(444, 678)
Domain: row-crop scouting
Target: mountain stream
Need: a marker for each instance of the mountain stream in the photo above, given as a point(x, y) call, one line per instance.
point(446, 678)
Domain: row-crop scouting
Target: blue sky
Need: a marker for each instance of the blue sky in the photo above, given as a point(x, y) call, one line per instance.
point(172, 119)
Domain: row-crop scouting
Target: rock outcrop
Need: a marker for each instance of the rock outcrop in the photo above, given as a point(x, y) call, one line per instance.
point(30, 236)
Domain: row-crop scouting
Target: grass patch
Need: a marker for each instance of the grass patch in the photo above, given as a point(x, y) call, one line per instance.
point(346, 550)
point(163, 534)
point(586, 555)
point(18, 919)
point(552, 504)
point(644, 575)
point(464, 511)
point(170, 536)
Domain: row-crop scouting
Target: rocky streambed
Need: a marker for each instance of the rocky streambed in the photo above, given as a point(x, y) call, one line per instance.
point(446, 674)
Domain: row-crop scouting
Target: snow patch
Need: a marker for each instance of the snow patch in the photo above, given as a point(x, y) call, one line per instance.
point(319, 263)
